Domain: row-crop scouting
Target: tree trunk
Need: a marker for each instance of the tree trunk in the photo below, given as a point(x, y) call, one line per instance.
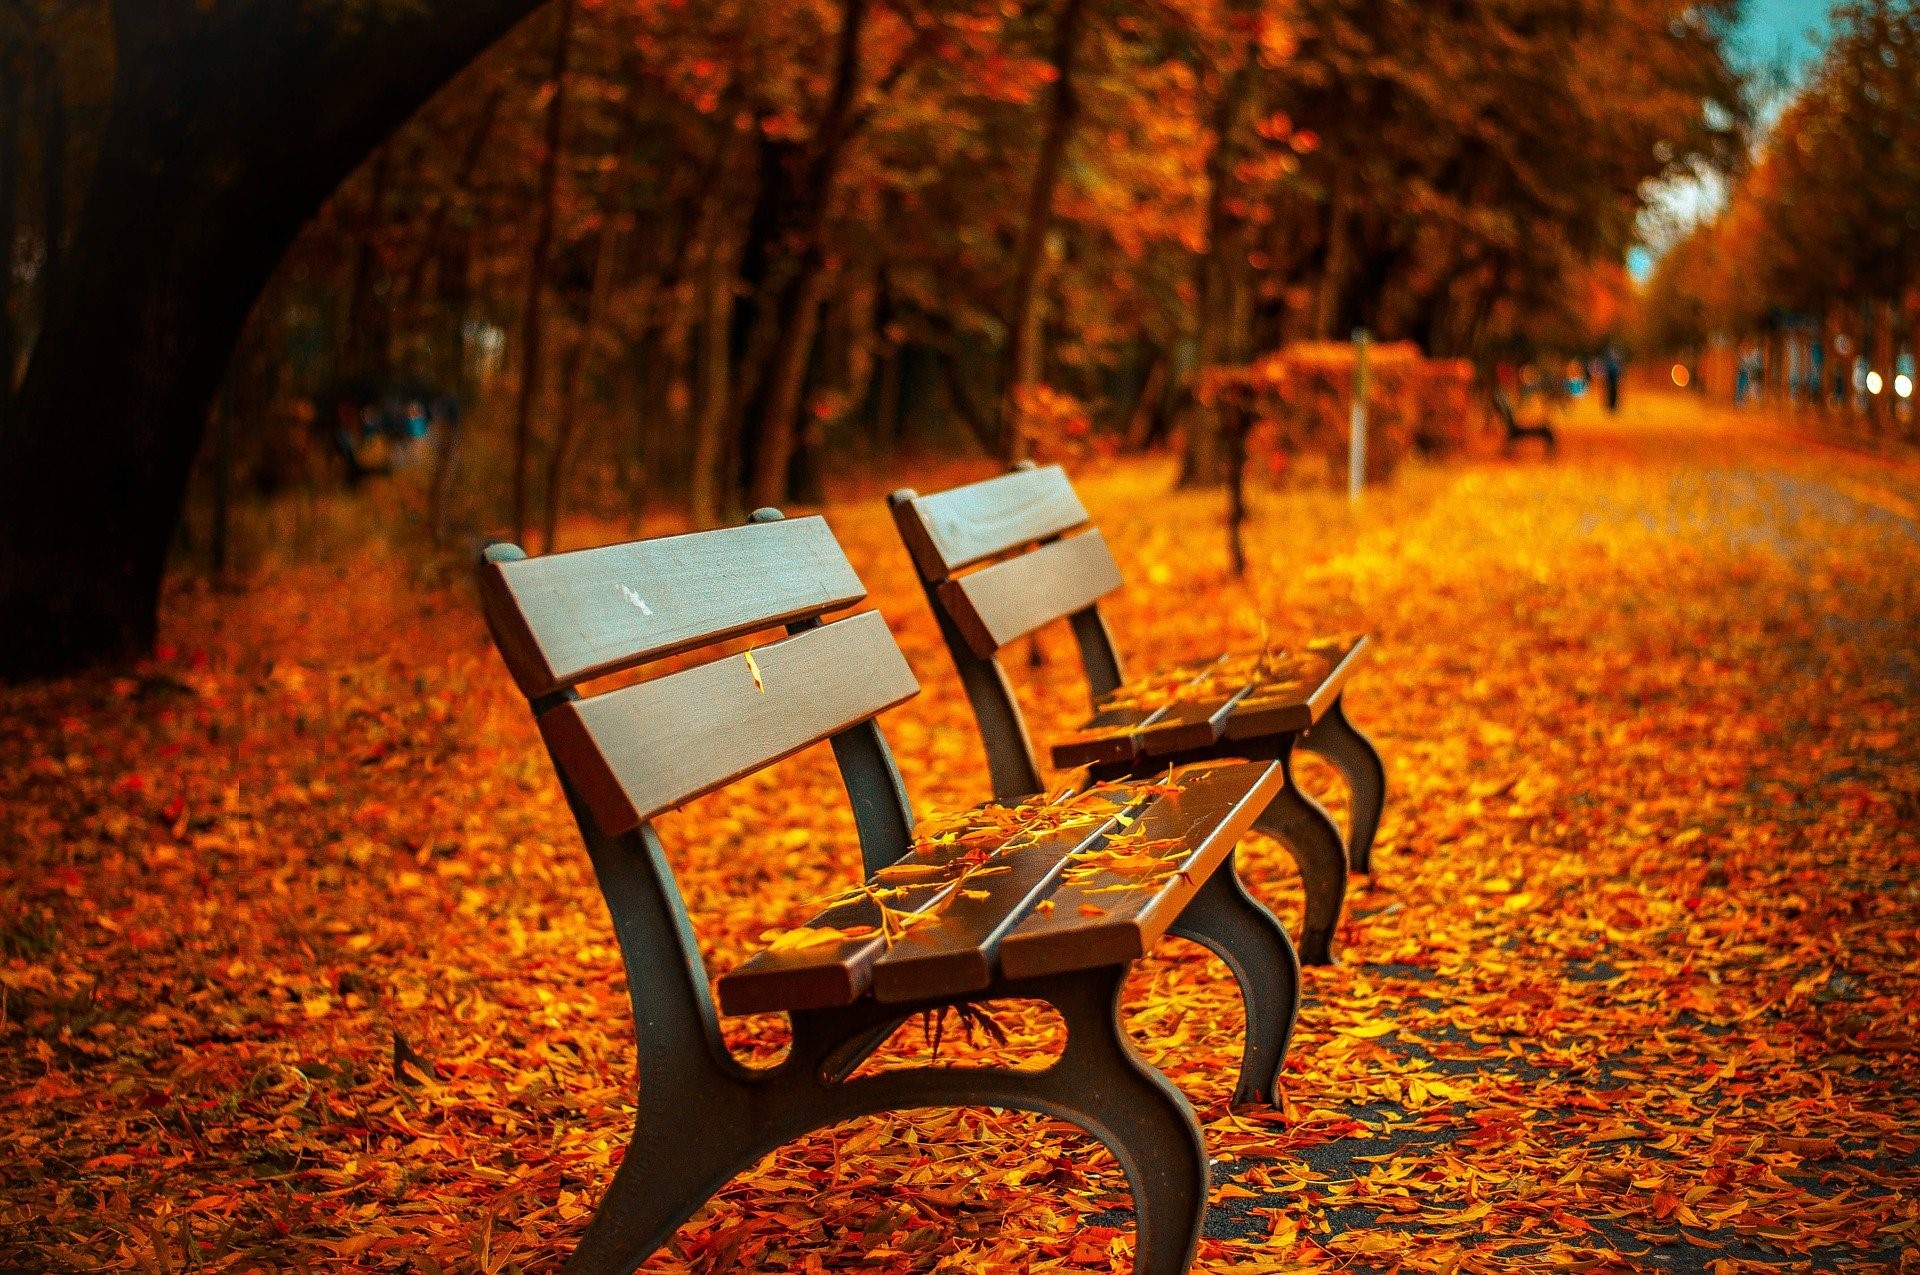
point(432, 239)
point(1024, 348)
point(229, 126)
point(51, 103)
point(798, 299)
point(574, 379)
point(709, 435)
point(1203, 462)
point(1333, 275)
point(9, 231)
point(537, 271)
point(364, 353)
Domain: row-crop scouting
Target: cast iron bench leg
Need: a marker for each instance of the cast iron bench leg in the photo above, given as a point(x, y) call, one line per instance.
point(1238, 929)
point(1101, 1084)
point(1335, 738)
point(1308, 832)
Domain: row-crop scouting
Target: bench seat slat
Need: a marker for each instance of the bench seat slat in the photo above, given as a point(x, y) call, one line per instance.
point(642, 749)
point(955, 529)
point(1113, 733)
point(1095, 922)
point(1192, 723)
point(1302, 690)
point(1008, 600)
point(828, 974)
point(954, 952)
point(570, 617)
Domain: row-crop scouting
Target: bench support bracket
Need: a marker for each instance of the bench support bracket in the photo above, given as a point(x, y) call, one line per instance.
point(1335, 738)
point(1308, 832)
point(1237, 928)
point(702, 1118)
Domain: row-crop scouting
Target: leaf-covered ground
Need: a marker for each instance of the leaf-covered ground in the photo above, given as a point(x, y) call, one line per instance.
point(1633, 986)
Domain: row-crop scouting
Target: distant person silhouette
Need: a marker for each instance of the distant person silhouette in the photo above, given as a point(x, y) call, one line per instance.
point(1610, 373)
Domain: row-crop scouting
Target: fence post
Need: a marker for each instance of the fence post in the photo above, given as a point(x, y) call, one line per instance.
point(1357, 421)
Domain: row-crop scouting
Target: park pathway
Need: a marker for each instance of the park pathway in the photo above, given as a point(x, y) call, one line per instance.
point(303, 966)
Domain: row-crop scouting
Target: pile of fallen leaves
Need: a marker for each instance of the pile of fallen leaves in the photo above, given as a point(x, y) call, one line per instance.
point(301, 964)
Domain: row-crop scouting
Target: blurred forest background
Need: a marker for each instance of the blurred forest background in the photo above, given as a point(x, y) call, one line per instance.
point(647, 258)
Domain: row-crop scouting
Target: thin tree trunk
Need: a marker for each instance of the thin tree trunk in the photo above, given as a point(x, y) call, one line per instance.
point(50, 99)
point(709, 435)
point(1147, 407)
point(9, 230)
point(357, 342)
point(430, 250)
point(530, 365)
point(220, 541)
point(1024, 347)
point(798, 299)
point(787, 386)
point(1202, 462)
point(576, 374)
point(1333, 275)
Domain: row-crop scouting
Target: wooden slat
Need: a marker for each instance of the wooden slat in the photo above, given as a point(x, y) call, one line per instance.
point(955, 529)
point(569, 617)
point(828, 974)
point(1112, 733)
point(1011, 599)
point(1301, 690)
point(1106, 737)
point(1091, 924)
point(954, 952)
point(1189, 723)
point(642, 749)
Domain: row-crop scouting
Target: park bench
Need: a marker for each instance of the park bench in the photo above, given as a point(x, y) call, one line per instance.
point(1260, 705)
point(1046, 900)
point(1517, 432)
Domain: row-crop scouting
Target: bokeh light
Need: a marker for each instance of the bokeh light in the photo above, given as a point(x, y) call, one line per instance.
point(1681, 376)
point(1874, 383)
point(1903, 385)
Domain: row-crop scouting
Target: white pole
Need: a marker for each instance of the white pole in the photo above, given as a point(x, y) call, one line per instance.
point(1357, 420)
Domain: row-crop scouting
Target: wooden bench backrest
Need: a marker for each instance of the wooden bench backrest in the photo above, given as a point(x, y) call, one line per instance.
point(634, 752)
point(995, 605)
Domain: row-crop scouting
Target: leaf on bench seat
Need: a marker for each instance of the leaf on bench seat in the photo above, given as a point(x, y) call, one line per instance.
point(952, 858)
point(1109, 912)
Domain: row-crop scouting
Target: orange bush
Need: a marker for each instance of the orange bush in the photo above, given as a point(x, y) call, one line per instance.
point(1300, 399)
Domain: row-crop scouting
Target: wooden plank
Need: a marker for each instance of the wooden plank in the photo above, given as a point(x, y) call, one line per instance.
point(1191, 723)
point(1112, 733)
point(642, 749)
point(955, 951)
point(833, 973)
point(1299, 692)
point(1104, 737)
point(569, 617)
point(1106, 917)
point(955, 529)
point(1011, 599)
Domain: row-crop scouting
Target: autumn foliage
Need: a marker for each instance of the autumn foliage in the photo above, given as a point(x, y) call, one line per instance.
point(303, 964)
point(1299, 404)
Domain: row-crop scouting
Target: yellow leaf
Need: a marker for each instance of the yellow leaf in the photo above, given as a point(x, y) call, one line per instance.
point(753, 667)
point(1367, 1031)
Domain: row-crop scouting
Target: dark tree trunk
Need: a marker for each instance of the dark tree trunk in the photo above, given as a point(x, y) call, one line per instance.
point(1021, 362)
point(574, 379)
point(530, 328)
point(9, 231)
point(51, 104)
point(797, 302)
point(229, 126)
point(1203, 463)
point(362, 339)
point(433, 238)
